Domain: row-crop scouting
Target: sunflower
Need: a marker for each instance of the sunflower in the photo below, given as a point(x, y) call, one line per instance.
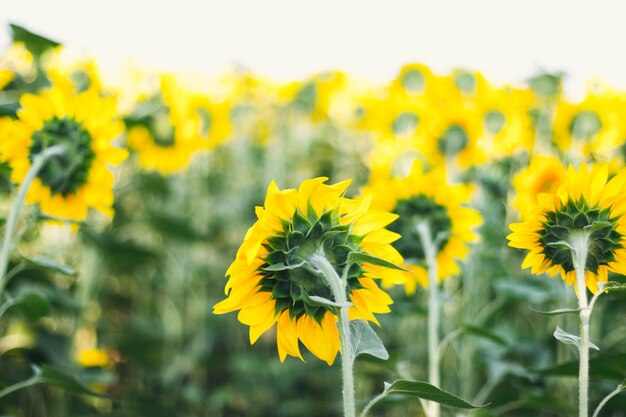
point(454, 131)
point(585, 204)
point(83, 126)
point(425, 197)
point(592, 128)
point(414, 80)
point(271, 282)
point(507, 127)
point(167, 131)
point(544, 174)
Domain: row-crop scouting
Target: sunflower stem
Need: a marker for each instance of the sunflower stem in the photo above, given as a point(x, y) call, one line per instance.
point(430, 252)
point(16, 206)
point(338, 289)
point(580, 245)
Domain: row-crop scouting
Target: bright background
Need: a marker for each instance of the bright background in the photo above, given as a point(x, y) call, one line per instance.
point(286, 39)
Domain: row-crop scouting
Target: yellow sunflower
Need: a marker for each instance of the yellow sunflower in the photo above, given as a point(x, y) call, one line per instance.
point(270, 281)
point(544, 174)
point(507, 126)
point(425, 197)
point(593, 127)
point(171, 133)
point(83, 125)
point(454, 131)
point(414, 80)
point(586, 204)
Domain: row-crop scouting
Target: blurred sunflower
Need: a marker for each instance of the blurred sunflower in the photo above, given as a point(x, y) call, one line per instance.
point(453, 135)
point(592, 128)
point(167, 131)
point(587, 206)
point(271, 281)
point(425, 197)
point(544, 174)
point(414, 80)
point(507, 129)
point(83, 126)
point(79, 74)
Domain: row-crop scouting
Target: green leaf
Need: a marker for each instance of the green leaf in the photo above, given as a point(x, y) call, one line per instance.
point(570, 339)
point(365, 341)
point(48, 375)
point(558, 311)
point(36, 44)
point(611, 286)
point(282, 267)
point(426, 391)
point(50, 264)
point(484, 333)
point(32, 303)
point(605, 367)
point(355, 257)
point(316, 300)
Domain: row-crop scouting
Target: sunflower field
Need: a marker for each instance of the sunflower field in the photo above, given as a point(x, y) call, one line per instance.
point(177, 245)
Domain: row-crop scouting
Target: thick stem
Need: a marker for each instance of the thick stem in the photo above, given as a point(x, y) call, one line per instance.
point(16, 207)
point(580, 244)
point(347, 360)
point(430, 252)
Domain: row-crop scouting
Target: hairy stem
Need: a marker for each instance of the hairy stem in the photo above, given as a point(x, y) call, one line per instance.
point(16, 206)
point(430, 252)
point(580, 244)
point(338, 289)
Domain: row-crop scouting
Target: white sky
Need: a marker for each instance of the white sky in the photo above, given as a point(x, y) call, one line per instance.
point(289, 39)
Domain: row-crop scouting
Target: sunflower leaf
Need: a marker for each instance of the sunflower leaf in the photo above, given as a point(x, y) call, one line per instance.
point(51, 376)
point(365, 341)
point(570, 339)
point(282, 267)
point(558, 311)
point(611, 286)
point(316, 300)
point(355, 257)
point(423, 391)
point(50, 264)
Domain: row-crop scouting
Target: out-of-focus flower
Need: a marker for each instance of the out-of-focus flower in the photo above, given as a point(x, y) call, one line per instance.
point(544, 174)
point(425, 197)
point(83, 125)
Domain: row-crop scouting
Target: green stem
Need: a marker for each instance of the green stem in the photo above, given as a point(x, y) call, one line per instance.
point(430, 252)
point(16, 206)
point(580, 244)
point(347, 357)
point(620, 388)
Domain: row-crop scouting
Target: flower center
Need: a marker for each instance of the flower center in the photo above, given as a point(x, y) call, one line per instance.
point(494, 121)
point(66, 172)
point(406, 122)
point(453, 141)
point(162, 129)
point(572, 219)
point(286, 274)
point(413, 81)
point(585, 125)
point(413, 211)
